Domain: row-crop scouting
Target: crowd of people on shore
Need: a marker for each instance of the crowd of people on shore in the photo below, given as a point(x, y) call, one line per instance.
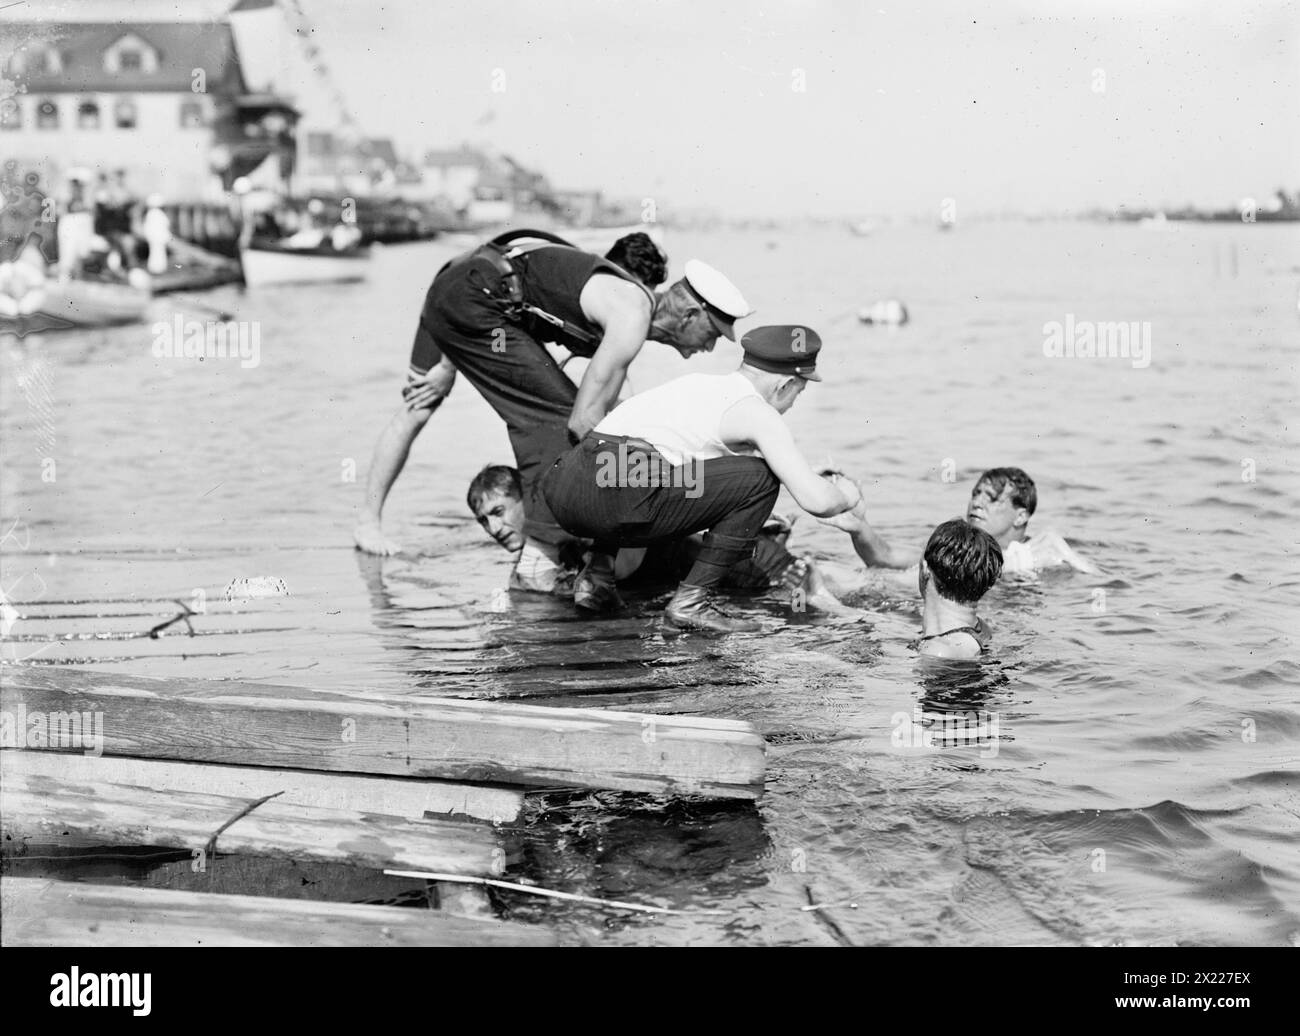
point(675, 485)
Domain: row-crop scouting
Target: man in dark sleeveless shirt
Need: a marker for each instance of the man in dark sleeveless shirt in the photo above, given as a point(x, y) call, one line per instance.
point(465, 326)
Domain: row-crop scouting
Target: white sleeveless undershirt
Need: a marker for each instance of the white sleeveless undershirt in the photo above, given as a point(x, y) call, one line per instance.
point(681, 418)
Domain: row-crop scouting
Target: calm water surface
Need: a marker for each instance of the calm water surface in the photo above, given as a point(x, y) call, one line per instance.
point(1142, 786)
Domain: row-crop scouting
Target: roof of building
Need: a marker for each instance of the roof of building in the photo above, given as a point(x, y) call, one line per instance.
point(454, 157)
point(50, 11)
point(382, 149)
point(321, 143)
point(180, 48)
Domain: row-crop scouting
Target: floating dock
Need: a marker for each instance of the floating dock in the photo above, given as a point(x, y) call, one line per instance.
point(289, 776)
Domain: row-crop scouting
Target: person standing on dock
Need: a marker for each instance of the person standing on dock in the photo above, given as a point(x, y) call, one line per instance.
point(487, 315)
point(702, 452)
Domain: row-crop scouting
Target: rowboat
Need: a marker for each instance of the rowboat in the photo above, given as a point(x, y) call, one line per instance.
point(58, 305)
point(193, 278)
point(190, 268)
point(266, 263)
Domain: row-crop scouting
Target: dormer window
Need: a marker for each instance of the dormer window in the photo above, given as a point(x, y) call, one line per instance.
point(131, 55)
point(37, 60)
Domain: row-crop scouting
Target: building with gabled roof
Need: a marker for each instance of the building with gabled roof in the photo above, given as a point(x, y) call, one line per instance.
point(164, 101)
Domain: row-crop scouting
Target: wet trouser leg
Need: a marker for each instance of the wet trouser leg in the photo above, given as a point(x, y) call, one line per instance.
point(510, 369)
point(731, 497)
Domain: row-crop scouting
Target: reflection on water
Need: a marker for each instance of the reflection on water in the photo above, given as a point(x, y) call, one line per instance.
point(1140, 786)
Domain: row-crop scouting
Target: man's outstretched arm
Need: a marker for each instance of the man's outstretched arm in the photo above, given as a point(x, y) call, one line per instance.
point(874, 550)
point(1054, 548)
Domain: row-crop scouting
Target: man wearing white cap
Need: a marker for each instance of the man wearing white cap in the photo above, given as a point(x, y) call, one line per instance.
point(487, 315)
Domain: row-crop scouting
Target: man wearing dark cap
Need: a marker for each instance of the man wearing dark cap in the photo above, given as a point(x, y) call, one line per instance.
point(487, 315)
point(701, 452)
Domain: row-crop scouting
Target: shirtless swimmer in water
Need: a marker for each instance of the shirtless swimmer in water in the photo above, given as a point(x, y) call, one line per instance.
point(1001, 504)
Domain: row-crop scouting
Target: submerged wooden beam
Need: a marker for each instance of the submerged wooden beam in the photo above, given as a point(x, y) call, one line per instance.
point(266, 725)
point(395, 796)
point(55, 913)
point(40, 806)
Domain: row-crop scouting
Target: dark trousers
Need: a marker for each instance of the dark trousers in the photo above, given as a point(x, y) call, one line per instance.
point(732, 498)
point(510, 369)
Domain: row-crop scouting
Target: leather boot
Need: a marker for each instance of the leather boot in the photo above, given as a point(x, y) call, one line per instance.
point(692, 607)
point(594, 589)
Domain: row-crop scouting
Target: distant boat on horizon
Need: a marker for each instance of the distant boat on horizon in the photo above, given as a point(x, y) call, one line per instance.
point(1157, 222)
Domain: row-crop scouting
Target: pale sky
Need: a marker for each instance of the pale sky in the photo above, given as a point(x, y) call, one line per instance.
point(989, 103)
point(691, 101)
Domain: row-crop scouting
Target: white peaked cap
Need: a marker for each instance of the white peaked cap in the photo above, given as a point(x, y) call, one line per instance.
point(723, 299)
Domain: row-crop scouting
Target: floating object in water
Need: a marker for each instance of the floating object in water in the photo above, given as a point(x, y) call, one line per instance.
point(248, 724)
point(889, 312)
point(537, 890)
point(1157, 222)
point(39, 912)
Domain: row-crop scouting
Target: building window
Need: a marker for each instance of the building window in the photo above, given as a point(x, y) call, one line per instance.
point(124, 114)
point(47, 114)
point(192, 115)
point(35, 60)
point(88, 115)
point(131, 54)
point(11, 114)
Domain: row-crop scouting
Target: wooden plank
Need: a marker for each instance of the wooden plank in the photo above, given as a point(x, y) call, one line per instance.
point(296, 728)
point(56, 913)
point(44, 809)
point(239, 875)
point(394, 796)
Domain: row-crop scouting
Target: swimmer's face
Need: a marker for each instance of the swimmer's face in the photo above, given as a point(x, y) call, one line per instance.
point(502, 518)
point(994, 512)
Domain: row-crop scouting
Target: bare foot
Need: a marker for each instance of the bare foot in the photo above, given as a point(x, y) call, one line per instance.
point(369, 536)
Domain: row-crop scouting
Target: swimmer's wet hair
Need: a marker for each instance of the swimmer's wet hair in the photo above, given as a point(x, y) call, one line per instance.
point(495, 478)
point(1023, 491)
point(641, 257)
point(964, 561)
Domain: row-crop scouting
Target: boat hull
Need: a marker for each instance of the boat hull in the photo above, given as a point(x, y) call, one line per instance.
point(80, 304)
point(287, 266)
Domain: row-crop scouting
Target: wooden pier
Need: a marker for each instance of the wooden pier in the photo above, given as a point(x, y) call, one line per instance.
point(340, 778)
